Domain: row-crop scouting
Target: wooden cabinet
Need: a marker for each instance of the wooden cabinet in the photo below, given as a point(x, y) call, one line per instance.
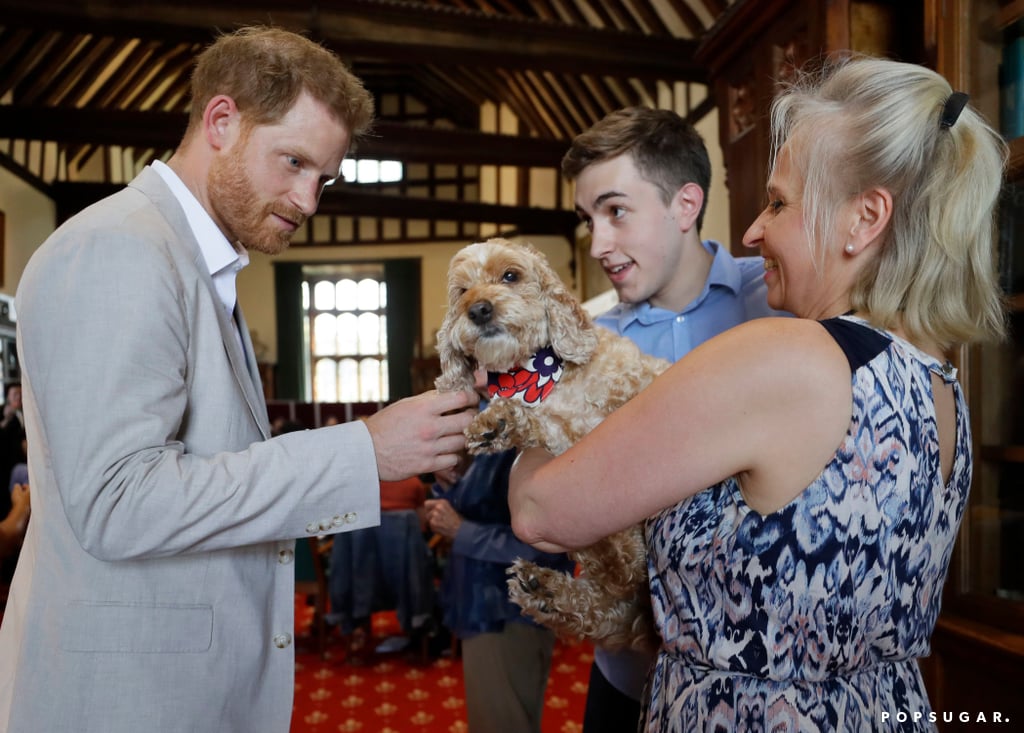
point(756, 43)
point(977, 663)
point(992, 547)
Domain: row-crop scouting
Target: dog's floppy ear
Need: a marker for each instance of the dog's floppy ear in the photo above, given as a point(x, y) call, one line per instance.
point(573, 334)
point(456, 367)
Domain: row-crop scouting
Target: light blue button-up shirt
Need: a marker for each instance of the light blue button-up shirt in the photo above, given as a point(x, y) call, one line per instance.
point(733, 293)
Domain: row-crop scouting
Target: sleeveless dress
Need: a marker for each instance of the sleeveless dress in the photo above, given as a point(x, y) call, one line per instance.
point(811, 618)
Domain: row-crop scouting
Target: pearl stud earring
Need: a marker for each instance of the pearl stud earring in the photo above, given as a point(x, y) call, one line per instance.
point(849, 248)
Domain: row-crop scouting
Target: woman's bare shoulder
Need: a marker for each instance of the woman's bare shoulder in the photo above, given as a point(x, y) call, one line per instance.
point(801, 343)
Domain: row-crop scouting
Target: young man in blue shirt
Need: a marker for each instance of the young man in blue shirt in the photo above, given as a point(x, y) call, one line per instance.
point(642, 178)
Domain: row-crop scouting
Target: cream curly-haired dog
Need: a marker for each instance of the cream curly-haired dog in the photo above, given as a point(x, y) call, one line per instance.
point(552, 376)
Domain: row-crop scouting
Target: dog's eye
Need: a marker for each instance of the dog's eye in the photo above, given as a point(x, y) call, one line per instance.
point(510, 276)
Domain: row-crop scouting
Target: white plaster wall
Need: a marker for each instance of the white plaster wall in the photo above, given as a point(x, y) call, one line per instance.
point(30, 218)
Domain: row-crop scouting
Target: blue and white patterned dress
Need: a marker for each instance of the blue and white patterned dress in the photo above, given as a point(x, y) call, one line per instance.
point(811, 618)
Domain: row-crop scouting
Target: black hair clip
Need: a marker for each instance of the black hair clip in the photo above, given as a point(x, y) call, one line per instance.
point(951, 109)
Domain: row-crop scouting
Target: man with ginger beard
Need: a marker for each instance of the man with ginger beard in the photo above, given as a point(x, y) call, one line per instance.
point(156, 583)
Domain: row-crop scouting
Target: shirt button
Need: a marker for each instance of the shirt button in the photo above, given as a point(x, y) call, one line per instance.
point(282, 641)
point(680, 319)
point(325, 524)
point(312, 527)
point(350, 517)
point(285, 556)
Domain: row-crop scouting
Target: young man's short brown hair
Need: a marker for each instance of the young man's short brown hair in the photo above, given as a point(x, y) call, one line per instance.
point(666, 149)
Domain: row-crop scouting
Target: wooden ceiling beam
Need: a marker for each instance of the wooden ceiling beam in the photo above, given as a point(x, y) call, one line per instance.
point(508, 7)
point(570, 9)
point(645, 94)
point(606, 20)
point(530, 117)
point(447, 98)
point(715, 7)
point(133, 69)
point(95, 49)
point(30, 48)
point(92, 70)
point(415, 33)
point(621, 18)
point(551, 100)
point(649, 17)
point(568, 102)
point(344, 200)
point(173, 66)
point(601, 90)
point(703, 109)
point(176, 93)
point(388, 140)
point(585, 100)
point(545, 126)
point(39, 81)
point(461, 84)
point(689, 18)
point(12, 40)
point(623, 93)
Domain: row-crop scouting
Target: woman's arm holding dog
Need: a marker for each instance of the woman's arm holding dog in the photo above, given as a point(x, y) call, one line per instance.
point(767, 402)
point(522, 503)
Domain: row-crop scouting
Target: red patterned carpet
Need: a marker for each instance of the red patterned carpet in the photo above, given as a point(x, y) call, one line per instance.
point(393, 694)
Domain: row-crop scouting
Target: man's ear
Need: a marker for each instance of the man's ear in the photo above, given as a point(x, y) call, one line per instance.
point(687, 203)
point(871, 213)
point(221, 121)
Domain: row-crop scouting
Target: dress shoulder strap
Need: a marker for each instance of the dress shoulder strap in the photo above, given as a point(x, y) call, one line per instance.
point(860, 343)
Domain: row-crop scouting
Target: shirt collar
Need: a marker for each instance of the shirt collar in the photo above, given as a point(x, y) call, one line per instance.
point(724, 273)
point(218, 254)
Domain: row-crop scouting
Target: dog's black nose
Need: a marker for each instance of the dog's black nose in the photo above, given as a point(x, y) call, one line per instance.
point(480, 312)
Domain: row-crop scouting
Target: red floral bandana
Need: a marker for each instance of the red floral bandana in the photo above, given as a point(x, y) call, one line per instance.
point(530, 382)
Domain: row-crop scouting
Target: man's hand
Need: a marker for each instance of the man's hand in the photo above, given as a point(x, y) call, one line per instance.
point(421, 434)
point(443, 519)
point(20, 499)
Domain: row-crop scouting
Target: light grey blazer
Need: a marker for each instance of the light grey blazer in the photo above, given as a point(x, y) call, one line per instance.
point(155, 589)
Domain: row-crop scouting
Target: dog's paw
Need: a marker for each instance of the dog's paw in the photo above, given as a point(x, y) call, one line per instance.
point(535, 590)
point(493, 430)
point(486, 436)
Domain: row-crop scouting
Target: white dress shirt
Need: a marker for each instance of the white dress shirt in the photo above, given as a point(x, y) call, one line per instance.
point(222, 259)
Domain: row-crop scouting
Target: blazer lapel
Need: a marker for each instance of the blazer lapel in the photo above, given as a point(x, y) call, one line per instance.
point(243, 363)
point(248, 373)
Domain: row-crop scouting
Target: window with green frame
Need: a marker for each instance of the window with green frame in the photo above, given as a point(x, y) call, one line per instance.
point(347, 332)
